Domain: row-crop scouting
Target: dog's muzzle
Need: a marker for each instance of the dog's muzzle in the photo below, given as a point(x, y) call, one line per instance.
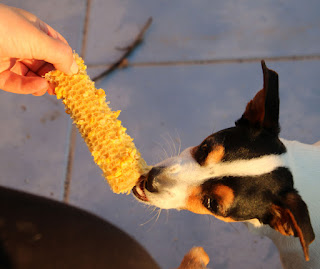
point(147, 182)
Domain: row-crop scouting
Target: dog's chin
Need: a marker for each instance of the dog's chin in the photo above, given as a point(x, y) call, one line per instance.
point(139, 190)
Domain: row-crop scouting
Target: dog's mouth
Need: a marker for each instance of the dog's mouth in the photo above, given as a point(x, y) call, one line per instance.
point(139, 189)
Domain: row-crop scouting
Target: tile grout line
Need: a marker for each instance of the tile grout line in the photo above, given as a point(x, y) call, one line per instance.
point(218, 61)
point(68, 160)
point(72, 130)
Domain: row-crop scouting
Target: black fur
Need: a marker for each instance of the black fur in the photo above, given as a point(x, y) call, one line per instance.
point(240, 143)
point(270, 121)
point(254, 195)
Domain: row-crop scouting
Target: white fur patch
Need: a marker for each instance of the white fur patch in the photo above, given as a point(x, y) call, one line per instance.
point(184, 168)
point(253, 167)
point(182, 172)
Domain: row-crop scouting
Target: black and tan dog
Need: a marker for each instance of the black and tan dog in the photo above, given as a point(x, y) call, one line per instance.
point(247, 173)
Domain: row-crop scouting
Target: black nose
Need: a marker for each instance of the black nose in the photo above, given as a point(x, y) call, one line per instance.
point(151, 180)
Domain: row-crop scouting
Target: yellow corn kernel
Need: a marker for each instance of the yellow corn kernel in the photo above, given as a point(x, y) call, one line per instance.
point(112, 148)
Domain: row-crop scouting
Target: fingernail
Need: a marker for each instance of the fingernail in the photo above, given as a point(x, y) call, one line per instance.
point(74, 67)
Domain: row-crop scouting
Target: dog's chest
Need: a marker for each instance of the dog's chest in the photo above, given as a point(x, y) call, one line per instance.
point(304, 163)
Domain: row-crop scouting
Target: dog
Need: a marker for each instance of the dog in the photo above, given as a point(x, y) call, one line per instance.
point(248, 174)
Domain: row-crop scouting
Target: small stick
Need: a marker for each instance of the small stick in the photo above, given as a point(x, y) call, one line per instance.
point(128, 51)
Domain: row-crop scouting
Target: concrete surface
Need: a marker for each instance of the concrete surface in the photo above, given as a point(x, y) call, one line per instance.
point(195, 72)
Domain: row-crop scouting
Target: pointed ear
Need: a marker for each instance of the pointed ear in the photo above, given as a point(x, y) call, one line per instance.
point(263, 110)
point(292, 218)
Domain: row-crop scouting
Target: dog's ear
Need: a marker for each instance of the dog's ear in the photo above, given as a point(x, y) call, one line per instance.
point(292, 218)
point(263, 110)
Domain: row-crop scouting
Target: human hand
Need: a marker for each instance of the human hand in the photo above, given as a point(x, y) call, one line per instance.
point(29, 48)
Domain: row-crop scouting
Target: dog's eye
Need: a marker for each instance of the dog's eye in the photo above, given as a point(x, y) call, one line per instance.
point(211, 204)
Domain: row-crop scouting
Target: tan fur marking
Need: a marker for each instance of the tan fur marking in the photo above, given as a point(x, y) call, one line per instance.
point(284, 222)
point(255, 108)
point(281, 221)
point(194, 202)
point(225, 196)
point(215, 155)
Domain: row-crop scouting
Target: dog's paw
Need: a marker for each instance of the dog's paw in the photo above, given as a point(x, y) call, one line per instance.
point(196, 258)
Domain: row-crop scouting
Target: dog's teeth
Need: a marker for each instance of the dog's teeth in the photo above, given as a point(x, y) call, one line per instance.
point(140, 192)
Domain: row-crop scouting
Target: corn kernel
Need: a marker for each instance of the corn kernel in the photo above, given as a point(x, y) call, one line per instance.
point(112, 148)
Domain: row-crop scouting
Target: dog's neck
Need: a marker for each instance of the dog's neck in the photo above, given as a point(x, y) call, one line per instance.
point(304, 163)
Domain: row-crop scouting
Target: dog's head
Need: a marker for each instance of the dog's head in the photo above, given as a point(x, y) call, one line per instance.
point(236, 174)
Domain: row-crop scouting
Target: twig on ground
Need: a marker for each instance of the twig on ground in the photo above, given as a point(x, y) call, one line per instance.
point(123, 61)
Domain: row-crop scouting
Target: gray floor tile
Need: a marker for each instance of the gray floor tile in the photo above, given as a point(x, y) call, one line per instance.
point(192, 30)
point(32, 144)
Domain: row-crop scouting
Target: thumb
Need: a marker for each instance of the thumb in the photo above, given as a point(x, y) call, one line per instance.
point(60, 55)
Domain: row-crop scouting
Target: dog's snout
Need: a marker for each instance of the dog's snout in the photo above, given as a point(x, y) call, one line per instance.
point(151, 180)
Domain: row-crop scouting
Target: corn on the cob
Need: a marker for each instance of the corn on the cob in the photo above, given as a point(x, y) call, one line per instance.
point(112, 148)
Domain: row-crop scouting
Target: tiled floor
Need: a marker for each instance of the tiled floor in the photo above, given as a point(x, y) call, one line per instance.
point(196, 70)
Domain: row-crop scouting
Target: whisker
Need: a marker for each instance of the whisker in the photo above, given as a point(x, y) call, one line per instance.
point(163, 149)
point(159, 212)
point(174, 145)
point(154, 209)
point(179, 141)
point(150, 219)
point(169, 146)
point(167, 219)
point(158, 215)
point(160, 156)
